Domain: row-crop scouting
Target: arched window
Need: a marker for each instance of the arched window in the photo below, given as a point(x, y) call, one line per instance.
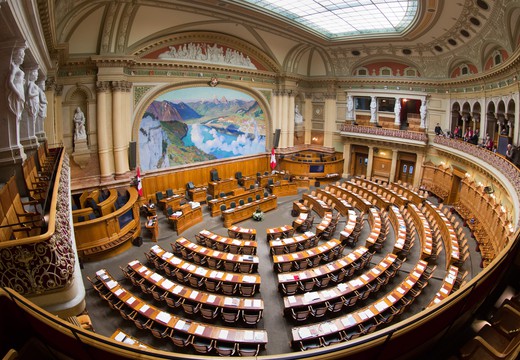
point(464, 69)
point(385, 71)
point(362, 71)
point(497, 58)
point(410, 72)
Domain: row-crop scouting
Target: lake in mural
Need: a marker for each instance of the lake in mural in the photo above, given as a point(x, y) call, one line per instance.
point(199, 124)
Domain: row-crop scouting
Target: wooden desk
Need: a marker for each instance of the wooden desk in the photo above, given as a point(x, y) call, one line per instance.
point(246, 211)
point(306, 254)
point(247, 181)
point(231, 245)
point(324, 224)
point(217, 255)
point(410, 194)
point(449, 236)
point(447, 286)
point(222, 186)
point(121, 336)
point(423, 227)
point(189, 217)
point(384, 192)
point(263, 180)
point(215, 204)
point(238, 232)
point(361, 315)
point(350, 226)
point(198, 194)
point(279, 232)
point(173, 201)
point(356, 200)
point(152, 224)
point(318, 205)
point(300, 220)
point(304, 241)
point(323, 270)
point(202, 272)
point(340, 204)
point(344, 289)
point(188, 293)
point(299, 207)
point(371, 195)
point(197, 329)
point(400, 230)
point(301, 182)
point(284, 188)
point(374, 219)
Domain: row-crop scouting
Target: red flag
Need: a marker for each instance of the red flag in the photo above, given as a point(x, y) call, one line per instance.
point(139, 185)
point(273, 159)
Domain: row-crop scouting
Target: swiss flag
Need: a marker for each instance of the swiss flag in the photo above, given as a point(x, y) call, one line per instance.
point(273, 159)
point(139, 185)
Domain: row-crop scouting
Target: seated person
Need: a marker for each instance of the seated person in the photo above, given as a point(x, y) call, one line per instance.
point(258, 215)
point(438, 130)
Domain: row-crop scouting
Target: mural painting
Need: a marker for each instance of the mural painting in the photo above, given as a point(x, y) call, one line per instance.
point(199, 124)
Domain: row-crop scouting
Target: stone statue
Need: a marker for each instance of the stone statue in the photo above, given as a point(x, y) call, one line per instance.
point(42, 112)
point(79, 123)
point(298, 118)
point(32, 95)
point(423, 112)
point(350, 108)
point(15, 85)
point(373, 106)
point(397, 111)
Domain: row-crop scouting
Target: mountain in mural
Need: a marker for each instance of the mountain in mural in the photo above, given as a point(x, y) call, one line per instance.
point(221, 107)
point(168, 111)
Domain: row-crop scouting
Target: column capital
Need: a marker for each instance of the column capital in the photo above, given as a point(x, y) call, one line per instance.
point(102, 86)
point(122, 85)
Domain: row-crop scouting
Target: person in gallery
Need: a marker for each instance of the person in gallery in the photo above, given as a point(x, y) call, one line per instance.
point(438, 129)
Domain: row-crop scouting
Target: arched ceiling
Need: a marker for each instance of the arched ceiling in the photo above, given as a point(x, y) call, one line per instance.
point(443, 31)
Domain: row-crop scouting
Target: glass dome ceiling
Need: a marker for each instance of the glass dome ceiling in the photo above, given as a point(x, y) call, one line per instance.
point(337, 19)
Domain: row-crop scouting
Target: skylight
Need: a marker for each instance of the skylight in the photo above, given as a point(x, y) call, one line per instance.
point(341, 18)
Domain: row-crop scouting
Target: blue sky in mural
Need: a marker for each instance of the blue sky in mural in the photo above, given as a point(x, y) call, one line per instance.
point(200, 124)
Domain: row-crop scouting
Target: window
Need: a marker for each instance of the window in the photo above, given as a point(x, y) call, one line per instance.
point(386, 104)
point(385, 71)
point(464, 70)
point(497, 58)
point(410, 72)
point(362, 103)
point(362, 72)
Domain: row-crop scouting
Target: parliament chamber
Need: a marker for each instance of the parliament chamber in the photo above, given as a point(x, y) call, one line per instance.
point(241, 178)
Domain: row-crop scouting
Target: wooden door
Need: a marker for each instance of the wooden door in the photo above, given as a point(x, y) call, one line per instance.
point(360, 167)
point(406, 171)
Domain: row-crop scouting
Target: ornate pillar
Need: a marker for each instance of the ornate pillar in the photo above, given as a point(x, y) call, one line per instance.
point(50, 125)
point(275, 99)
point(104, 132)
point(418, 170)
point(12, 102)
point(423, 111)
point(346, 160)
point(370, 161)
point(330, 116)
point(393, 167)
point(350, 109)
point(308, 118)
point(290, 121)
point(284, 116)
point(118, 127)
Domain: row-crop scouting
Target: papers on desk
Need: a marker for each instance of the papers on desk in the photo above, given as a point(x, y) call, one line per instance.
point(191, 267)
point(200, 330)
point(391, 298)
point(223, 334)
point(291, 299)
point(194, 294)
point(132, 263)
point(416, 274)
point(328, 328)
point(229, 277)
point(164, 317)
point(342, 287)
point(249, 279)
point(365, 277)
point(311, 296)
point(156, 277)
point(177, 289)
point(444, 291)
point(230, 256)
point(179, 325)
point(356, 283)
point(376, 271)
point(348, 321)
point(211, 298)
point(304, 332)
point(144, 308)
point(231, 301)
point(120, 336)
point(400, 290)
point(175, 260)
point(167, 284)
point(111, 284)
point(249, 335)
point(380, 306)
point(200, 271)
point(118, 292)
point(248, 257)
point(130, 300)
point(410, 282)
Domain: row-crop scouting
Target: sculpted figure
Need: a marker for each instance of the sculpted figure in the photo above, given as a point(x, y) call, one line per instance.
point(79, 125)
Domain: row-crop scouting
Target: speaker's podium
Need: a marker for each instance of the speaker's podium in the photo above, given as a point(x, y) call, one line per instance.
point(197, 194)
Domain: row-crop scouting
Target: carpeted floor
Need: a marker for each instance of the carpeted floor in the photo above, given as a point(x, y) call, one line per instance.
point(106, 320)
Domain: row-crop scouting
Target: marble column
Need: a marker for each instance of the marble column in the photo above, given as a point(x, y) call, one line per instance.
point(370, 161)
point(119, 88)
point(330, 116)
point(346, 160)
point(308, 118)
point(284, 115)
point(393, 167)
point(104, 133)
point(290, 120)
point(50, 125)
point(397, 113)
point(42, 112)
